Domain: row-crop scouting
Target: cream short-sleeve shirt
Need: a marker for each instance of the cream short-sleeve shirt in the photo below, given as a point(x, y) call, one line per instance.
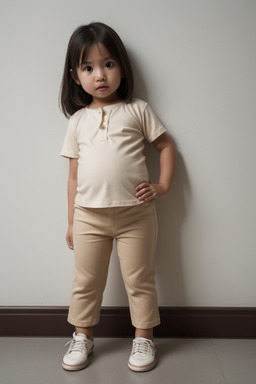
point(108, 143)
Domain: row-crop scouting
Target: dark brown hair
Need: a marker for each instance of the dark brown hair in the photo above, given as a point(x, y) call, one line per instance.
point(72, 95)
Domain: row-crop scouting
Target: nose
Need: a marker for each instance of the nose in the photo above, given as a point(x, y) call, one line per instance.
point(100, 75)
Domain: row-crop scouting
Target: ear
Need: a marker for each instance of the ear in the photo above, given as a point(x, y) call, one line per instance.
point(74, 76)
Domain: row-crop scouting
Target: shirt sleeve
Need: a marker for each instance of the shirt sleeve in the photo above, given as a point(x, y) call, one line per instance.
point(152, 126)
point(70, 146)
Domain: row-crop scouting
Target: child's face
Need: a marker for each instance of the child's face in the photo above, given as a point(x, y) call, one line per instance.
point(99, 75)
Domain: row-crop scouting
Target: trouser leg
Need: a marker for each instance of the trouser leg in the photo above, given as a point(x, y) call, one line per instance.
point(136, 249)
point(92, 250)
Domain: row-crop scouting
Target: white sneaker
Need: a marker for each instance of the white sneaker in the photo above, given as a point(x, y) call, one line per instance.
point(142, 358)
point(76, 357)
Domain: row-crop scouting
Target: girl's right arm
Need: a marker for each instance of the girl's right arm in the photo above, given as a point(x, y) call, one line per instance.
point(72, 189)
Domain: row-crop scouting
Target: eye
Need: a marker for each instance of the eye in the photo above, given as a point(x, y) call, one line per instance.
point(109, 64)
point(87, 68)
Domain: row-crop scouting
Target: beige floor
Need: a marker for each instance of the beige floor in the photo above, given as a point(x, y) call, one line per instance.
point(180, 361)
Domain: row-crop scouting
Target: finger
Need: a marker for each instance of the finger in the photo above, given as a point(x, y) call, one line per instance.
point(146, 195)
point(142, 185)
point(71, 245)
point(142, 192)
point(69, 241)
point(150, 198)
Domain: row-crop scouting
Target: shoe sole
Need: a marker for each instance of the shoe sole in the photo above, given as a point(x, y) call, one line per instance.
point(78, 367)
point(143, 368)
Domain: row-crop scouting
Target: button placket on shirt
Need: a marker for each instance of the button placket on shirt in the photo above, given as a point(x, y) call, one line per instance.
point(103, 125)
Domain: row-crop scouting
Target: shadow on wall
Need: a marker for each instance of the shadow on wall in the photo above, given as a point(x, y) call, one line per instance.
point(171, 211)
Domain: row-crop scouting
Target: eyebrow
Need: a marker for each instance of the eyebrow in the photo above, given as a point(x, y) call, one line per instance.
point(90, 62)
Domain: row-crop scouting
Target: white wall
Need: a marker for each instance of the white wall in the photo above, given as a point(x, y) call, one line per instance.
point(195, 63)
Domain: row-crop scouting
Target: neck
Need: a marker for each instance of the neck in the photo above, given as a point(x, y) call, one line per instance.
point(95, 104)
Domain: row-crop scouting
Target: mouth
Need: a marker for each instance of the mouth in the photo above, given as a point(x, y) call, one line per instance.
point(102, 88)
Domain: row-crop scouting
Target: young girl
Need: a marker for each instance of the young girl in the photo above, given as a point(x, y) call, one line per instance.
point(109, 192)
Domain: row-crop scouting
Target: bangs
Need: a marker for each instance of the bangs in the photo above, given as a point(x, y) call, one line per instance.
point(81, 53)
point(85, 51)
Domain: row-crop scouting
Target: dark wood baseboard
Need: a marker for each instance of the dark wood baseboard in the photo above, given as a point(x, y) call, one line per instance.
point(183, 322)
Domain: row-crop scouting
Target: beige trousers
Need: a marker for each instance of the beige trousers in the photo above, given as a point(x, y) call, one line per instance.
point(135, 231)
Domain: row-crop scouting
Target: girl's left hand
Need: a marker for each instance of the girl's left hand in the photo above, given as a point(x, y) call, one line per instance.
point(148, 191)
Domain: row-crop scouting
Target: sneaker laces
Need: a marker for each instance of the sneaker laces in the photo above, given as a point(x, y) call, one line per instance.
point(76, 345)
point(142, 346)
